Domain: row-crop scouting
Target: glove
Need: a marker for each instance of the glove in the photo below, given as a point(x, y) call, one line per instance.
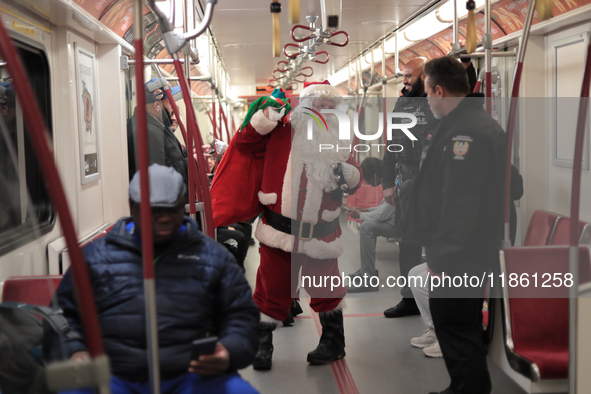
point(261, 123)
point(220, 146)
point(275, 115)
point(351, 175)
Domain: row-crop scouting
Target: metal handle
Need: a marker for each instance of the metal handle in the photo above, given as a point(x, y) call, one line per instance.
point(282, 62)
point(329, 42)
point(307, 75)
point(293, 29)
point(318, 61)
point(291, 45)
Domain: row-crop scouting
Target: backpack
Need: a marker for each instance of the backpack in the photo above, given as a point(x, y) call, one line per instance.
point(22, 328)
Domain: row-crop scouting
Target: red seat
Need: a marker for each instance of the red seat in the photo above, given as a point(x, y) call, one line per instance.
point(34, 290)
point(538, 330)
point(540, 228)
point(560, 235)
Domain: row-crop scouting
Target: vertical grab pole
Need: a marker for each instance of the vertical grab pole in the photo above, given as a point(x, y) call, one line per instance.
point(202, 165)
point(512, 116)
point(146, 210)
point(488, 56)
point(574, 224)
point(192, 176)
point(384, 83)
point(213, 120)
point(456, 44)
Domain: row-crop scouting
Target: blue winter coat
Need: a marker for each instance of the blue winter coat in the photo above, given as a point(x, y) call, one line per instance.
point(200, 291)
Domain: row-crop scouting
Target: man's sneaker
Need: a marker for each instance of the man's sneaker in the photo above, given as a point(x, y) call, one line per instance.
point(426, 340)
point(433, 351)
point(354, 274)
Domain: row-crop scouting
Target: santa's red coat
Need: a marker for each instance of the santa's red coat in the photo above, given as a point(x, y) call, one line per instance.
point(287, 190)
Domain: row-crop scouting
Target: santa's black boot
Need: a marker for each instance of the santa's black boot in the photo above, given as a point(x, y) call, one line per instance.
point(262, 360)
point(332, 340)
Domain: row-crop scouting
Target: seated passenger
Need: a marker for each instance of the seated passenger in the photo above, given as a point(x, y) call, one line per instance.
point(377, 221)
point(200, 292)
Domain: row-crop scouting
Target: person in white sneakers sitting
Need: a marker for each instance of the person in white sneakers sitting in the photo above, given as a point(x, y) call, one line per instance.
point(428, 341)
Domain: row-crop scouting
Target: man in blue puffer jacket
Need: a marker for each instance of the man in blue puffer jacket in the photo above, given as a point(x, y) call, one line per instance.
point(200, 292)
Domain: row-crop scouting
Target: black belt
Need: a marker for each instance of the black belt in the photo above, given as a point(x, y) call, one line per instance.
point(305, 230)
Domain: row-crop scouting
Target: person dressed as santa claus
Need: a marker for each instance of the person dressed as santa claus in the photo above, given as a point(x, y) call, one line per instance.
point(300, 196)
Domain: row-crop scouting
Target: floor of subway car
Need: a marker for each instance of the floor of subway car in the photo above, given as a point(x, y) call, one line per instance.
point(379, 357)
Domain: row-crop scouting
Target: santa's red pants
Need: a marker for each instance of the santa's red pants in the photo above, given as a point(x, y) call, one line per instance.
point(278, 276)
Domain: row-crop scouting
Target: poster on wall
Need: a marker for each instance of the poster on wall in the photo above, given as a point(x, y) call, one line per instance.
point(86, 102)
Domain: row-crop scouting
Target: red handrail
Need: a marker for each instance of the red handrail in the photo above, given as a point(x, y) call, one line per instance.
point(194, 128)
point(512, 116)
point(192, 168)
point(38, 132)
point(225, 123)
point(578, 158)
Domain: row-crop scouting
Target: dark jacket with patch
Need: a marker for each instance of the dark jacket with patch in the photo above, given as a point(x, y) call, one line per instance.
point(409, 159)
point(456, 207)
point(200, 291)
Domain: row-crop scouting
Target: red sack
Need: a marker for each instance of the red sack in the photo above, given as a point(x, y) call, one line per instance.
point(235, 188)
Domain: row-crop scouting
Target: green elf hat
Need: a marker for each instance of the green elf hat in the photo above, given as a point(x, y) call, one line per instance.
point(276, 100)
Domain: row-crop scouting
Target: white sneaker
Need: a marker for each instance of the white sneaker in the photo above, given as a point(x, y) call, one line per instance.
point(426, 340)
point(433, 351)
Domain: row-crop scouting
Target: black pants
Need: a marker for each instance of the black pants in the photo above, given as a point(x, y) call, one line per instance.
point(458, 325)
point(234, 241)
point(409, 257)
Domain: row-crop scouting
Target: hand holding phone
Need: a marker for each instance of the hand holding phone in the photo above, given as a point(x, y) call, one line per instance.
point(203, 346)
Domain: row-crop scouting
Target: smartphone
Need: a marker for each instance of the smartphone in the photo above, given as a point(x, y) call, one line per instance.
point(203, 346)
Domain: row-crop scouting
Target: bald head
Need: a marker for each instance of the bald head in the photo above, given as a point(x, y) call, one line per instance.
point(412, 72)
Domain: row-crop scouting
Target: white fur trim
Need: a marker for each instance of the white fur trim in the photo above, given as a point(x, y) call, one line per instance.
point(342, 305)
point(321, 250)
point(313, 201)
point(274, 238)
point(329, 216)
point(269, 320)
point(286, 192)
point(267, 198)
point(261, 123)
point(320, 91)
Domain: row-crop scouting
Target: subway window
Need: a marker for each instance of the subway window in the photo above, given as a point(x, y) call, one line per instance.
point(25, 208)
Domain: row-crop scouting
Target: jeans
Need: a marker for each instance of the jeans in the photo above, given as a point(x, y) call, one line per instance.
point(369, 231)
point(187, 383)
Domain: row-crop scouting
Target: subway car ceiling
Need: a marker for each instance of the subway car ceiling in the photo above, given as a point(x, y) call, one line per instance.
point(242, 34)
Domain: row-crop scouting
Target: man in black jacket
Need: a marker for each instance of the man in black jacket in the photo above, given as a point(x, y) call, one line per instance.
point(456, 213)
point(165, 148)
point(200, 292)
point(400, 168)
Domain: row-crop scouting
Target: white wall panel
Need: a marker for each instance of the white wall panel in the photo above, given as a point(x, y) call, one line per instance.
point(113, 133)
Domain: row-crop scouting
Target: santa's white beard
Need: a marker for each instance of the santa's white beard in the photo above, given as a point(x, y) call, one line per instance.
point(318, 164)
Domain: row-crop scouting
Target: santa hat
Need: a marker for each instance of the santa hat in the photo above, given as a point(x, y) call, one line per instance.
point(319, 89)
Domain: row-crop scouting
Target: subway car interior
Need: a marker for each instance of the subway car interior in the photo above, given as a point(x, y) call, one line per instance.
point(79, 83)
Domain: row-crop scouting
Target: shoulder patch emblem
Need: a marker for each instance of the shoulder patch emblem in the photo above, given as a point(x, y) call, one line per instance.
point(460, 149)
